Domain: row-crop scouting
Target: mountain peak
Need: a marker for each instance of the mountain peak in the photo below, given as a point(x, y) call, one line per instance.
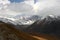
point(52, 16)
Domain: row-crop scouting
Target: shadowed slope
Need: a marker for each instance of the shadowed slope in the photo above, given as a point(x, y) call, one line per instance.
point(50, 27)
point(47, 25)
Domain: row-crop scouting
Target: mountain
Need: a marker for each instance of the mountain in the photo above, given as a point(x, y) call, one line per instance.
point(26, 20)
point(9, 32)
point(18, 25)
point(34, 17)
point(7, 20)
point(49, 25)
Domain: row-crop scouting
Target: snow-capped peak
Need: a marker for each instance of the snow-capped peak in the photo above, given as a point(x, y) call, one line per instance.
point(8, 18)
point(52, 16)
point(11, 19)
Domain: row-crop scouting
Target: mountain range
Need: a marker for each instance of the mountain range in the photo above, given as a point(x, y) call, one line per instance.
point(47, 25)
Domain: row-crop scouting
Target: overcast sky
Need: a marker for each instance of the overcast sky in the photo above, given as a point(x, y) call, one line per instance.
point(29, 7)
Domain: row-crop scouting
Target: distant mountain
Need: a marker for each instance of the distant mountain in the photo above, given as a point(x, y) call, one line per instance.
point(18, 25)
point(34, 17)
point(7, 20)
point(48, 25)
point(26, 20)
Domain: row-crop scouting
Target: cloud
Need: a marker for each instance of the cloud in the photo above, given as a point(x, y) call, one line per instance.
point(28, 7)
point(49, 7)
point(22, 7)
point(42, 7)
point(4, 11)
point(3, 7)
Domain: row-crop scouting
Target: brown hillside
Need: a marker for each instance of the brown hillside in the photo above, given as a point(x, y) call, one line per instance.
point(7, 32)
